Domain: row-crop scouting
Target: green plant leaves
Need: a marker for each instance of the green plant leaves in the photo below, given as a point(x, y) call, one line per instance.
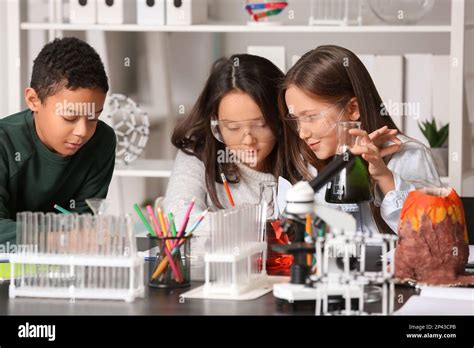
point(436, 138)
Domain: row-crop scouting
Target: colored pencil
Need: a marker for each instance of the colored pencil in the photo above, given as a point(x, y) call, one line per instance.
point(154, 221)
point(198, 221)
point(172, 225)
point(186, 217)
point(227, 189)
point(61, 209)
point(309, 259)
point(162, 222)
point(143, 219)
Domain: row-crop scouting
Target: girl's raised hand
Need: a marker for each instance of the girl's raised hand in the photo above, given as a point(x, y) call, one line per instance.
point(381, 136)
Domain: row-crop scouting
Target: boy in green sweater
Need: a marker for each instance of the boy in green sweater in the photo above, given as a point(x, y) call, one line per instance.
point(57, 151)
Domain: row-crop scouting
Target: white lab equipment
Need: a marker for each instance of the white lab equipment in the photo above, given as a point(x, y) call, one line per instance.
point(76, 257)
point(236, 262)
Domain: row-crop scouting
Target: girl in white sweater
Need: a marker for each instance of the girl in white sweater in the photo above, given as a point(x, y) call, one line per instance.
point(330, 84)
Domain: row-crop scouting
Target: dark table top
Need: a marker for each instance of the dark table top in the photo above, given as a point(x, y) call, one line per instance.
point(167, 302)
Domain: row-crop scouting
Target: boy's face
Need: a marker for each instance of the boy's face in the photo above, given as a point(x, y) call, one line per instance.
point(68, 119)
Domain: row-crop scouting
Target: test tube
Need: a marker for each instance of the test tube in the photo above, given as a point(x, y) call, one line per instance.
point(219, 232)
point(220, 248)
point(392, 262)
point(133, 242)
point(225, 239)
point(122, 241)
point(104, 242)
point(229, 223)
point(90, 224)
point(42, 230)
point(56, 231)
point(384, 260)
point(391, 302)
point(46, 231)
point(362, 258)
point(20, 225)
point(34, 234)
point(29, 235)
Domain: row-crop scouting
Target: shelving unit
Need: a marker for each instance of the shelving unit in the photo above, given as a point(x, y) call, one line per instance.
point(217, 27)
point(458, 174)
point(146, 169)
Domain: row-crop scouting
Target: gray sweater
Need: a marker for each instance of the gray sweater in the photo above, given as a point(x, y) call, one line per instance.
point(187, 181)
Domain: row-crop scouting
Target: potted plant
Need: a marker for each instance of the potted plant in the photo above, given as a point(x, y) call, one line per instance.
point(437, 139)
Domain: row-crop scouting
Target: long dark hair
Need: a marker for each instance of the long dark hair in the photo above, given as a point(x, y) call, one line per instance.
point(331, 73)
point(253, 75)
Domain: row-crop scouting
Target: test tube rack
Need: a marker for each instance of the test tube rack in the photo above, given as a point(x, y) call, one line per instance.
point(348, 244)
point(76, 257)
point(336, 12)
point(236, 263)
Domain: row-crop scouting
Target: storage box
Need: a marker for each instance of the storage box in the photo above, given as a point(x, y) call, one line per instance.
point(151, 12)
point(186, 12)
point(116, 11)
point(83, 11)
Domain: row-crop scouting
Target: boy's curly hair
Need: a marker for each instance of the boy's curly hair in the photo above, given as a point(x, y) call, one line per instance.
point(70, 63)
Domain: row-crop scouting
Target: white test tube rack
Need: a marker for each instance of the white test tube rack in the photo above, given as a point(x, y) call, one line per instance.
point(236, 263)
point(76, 257)
point(353, 281)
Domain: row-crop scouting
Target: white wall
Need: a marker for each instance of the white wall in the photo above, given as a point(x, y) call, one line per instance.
point(189, 56)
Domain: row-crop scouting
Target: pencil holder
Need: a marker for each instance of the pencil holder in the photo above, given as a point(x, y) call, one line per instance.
point(169, 262)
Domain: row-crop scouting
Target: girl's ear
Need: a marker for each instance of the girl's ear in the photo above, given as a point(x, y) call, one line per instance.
point(353, 109)
point(31, 99)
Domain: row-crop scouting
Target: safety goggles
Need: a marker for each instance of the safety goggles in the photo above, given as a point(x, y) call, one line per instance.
point(234, 132)
point(320, 123)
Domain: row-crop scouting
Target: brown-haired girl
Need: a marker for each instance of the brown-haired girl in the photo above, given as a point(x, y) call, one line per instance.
point(328, 85)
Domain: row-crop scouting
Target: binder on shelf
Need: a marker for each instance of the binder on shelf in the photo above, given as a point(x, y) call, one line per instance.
point(388, 78)
point(82, 11)
point(186, 12)
point(151, 12)
point(116, 11)
point(441, 78)
point(418, 93)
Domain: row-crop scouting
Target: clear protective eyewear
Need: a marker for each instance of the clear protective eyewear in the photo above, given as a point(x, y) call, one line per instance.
point(320, 122)
point(234, 132)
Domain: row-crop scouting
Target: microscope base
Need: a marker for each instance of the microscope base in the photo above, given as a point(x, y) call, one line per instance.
point(300, 292)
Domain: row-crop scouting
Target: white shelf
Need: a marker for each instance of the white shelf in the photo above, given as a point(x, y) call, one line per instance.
point(146, 168)
point(239, 28)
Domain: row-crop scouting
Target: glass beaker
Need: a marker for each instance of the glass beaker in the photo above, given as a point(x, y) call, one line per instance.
point(352, 184)
point(276, 264)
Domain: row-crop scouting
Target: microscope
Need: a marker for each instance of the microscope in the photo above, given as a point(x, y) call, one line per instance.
point(300, 202)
